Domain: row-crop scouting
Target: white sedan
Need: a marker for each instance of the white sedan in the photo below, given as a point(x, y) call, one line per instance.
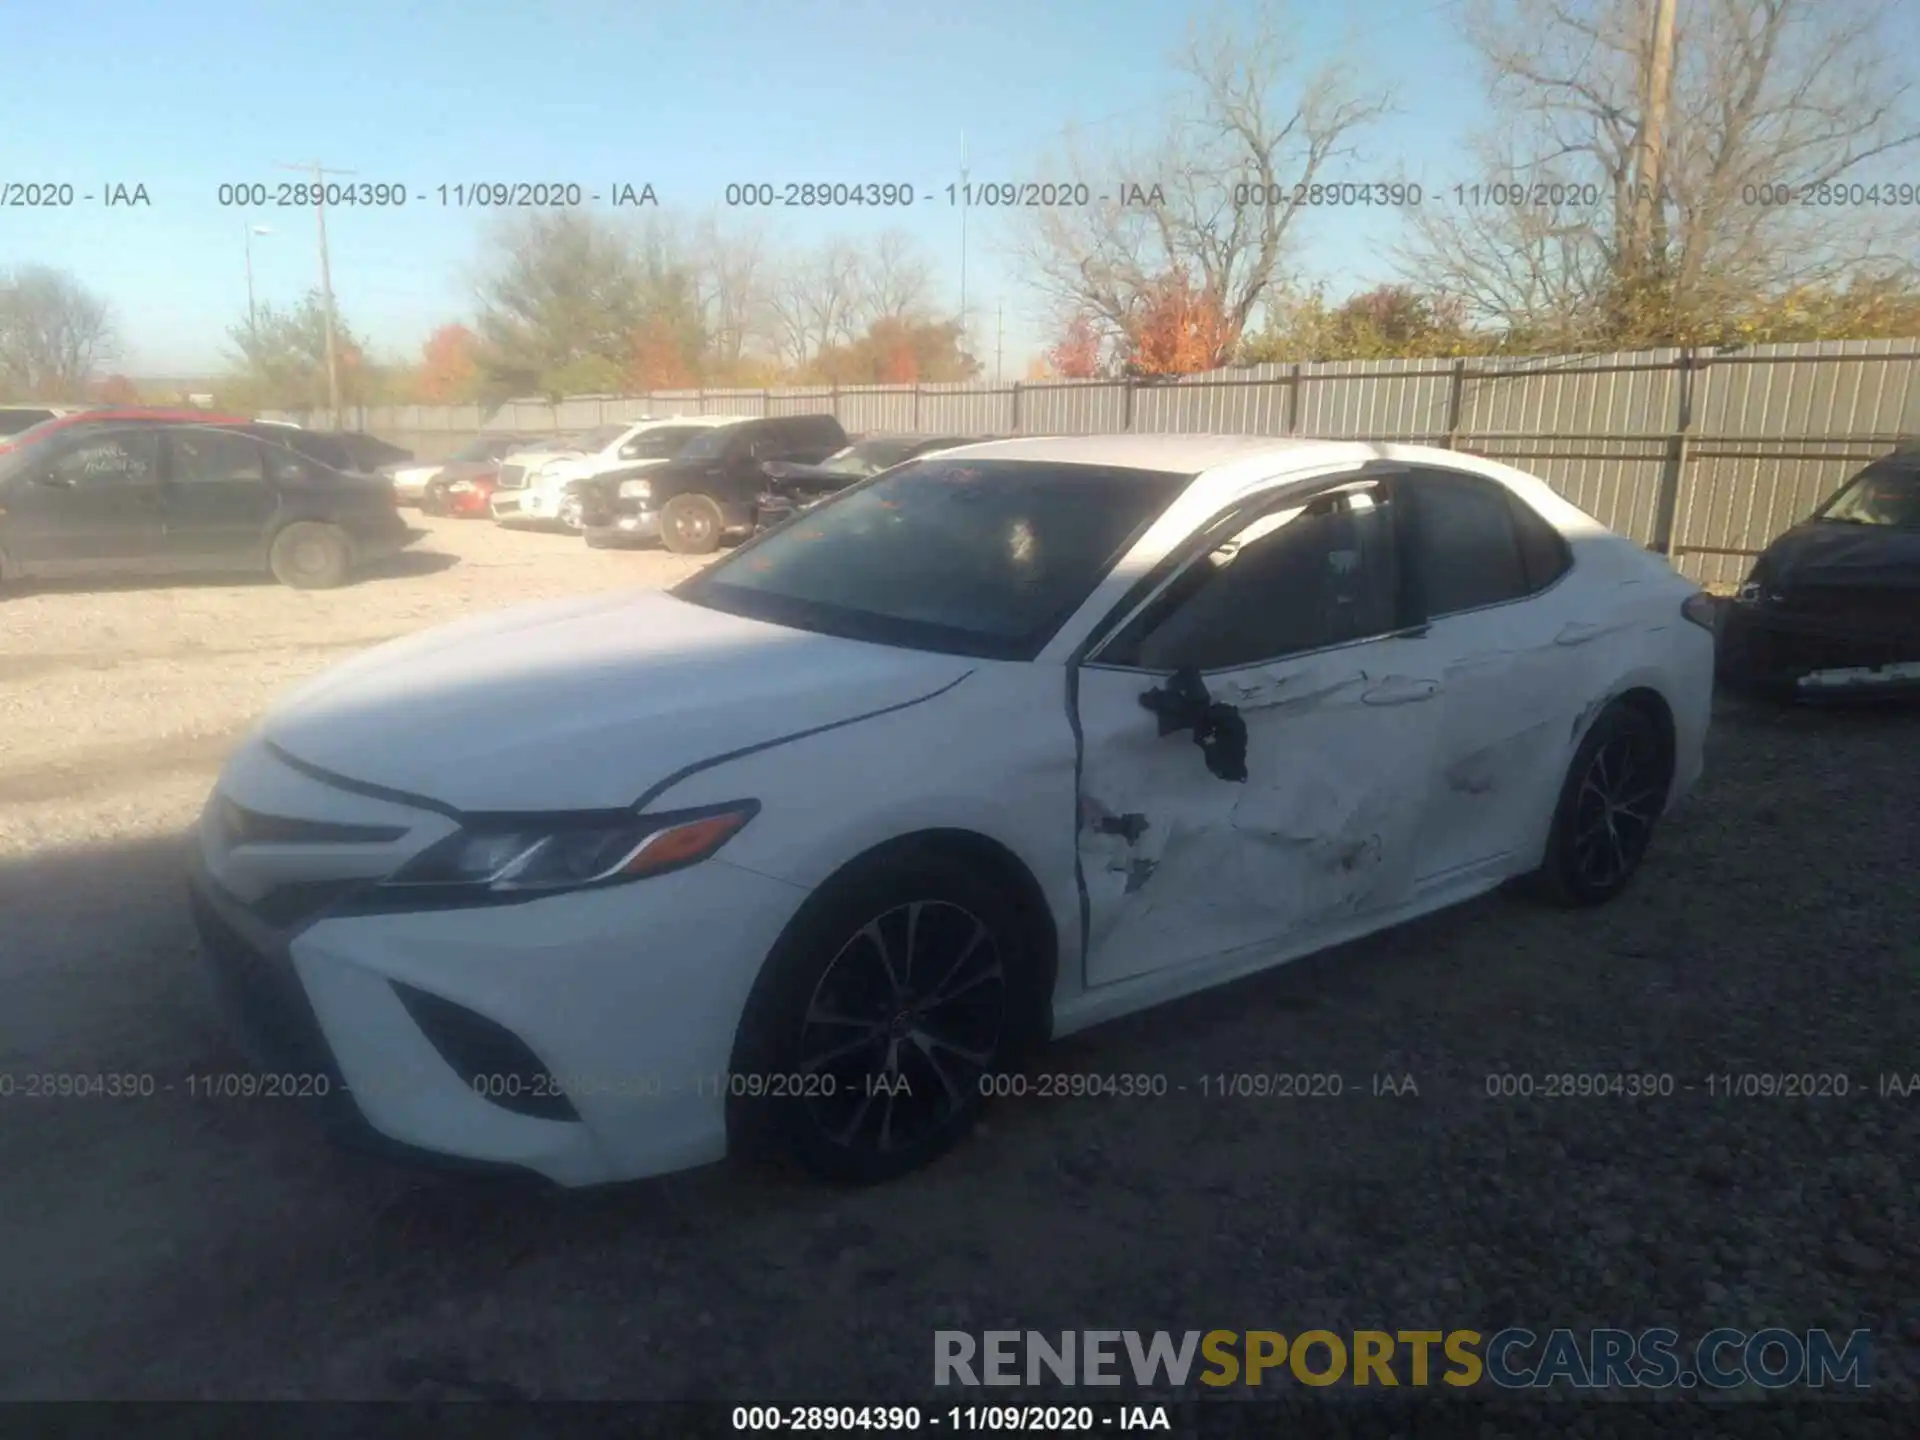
point(1011, 740)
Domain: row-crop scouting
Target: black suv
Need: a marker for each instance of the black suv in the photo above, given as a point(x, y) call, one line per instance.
point(709, 490)
point(153, 499)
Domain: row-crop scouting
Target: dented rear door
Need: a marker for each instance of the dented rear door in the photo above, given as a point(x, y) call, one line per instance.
point(1180, 862)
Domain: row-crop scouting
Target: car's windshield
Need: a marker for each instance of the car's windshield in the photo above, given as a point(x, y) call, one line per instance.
point(982, 558)
point(708, 444)
point(1885, 493)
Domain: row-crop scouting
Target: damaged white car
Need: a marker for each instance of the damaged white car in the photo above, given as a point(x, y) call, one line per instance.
point(994, 746)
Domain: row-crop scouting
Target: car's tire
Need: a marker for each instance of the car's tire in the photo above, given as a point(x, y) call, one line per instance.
point(1609, 807)
point(832, 1011)
point(572, 514)
point(310, 556)
point(691, 525)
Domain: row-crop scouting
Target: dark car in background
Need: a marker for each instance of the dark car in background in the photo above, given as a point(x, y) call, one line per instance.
point(145, 499)
point(1832, 608)
point(18, 417)
point(712, 488)
point(344, 450)
point(792, 488)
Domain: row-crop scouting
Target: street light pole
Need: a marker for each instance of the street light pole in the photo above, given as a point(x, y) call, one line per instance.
point(253, 321)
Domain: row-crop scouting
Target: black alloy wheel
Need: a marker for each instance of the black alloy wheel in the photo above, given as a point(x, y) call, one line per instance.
point(902, 1028)
point(882, 1020)
point(1614, 794)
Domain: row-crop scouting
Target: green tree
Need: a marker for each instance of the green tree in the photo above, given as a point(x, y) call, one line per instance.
point(281, 360)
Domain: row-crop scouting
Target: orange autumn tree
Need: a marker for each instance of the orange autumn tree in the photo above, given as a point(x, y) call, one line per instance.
point(450, 366)
point(1177, 329)
point(657, 359)
point(1077, 356)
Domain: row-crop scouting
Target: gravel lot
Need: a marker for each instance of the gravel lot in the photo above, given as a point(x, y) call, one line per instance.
point(173, 1247)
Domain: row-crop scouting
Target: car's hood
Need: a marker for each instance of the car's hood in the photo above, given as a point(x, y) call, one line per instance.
point(786, 478)
point(404, 470)
point(1826, 552)
point(584, 703)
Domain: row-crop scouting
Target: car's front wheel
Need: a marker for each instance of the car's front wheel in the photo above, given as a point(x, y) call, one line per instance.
point(310, 556)
point(571, 513)
point(691, 525)
point(878, 1027)
point(1610, 802)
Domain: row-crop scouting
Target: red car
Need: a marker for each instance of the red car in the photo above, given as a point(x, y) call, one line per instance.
point(117, 414)
point(467, 496)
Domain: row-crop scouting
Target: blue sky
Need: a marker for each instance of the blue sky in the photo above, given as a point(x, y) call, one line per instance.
point(186, 96)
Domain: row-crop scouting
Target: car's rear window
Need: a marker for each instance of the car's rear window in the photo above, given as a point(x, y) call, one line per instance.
point(988, 558)
point(14, 419)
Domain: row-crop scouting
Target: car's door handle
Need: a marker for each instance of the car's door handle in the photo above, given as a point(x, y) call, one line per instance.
point(1401, 692)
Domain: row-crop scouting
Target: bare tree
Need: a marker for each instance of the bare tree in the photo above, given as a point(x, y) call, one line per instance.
point(1770, 100)
point(53, 333)
point(815, 301)
point(1249, 120)
point(896, 280)
point(735, 273)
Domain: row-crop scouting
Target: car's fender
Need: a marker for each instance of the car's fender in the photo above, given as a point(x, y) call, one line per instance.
point(957, 762)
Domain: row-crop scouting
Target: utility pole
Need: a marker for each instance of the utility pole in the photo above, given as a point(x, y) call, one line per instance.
point(320, 172)
point(964, 207)
point(1650, 163)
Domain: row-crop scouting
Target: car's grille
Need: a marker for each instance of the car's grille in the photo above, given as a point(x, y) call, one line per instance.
point(269, 1009)
point(1866, 612)
point(241, 826)
point(513, 477)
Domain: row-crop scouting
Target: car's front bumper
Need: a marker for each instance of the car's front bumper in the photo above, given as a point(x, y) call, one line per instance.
point(1763, 647)
point(624, 527)
point(628, 998)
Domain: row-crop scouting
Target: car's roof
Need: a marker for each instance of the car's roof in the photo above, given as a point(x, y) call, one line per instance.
point(1174, 454)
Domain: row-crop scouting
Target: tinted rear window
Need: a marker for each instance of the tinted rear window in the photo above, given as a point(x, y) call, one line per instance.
point(15, 419)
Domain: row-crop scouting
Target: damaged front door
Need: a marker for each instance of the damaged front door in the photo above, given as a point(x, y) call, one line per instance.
point(1257, 743)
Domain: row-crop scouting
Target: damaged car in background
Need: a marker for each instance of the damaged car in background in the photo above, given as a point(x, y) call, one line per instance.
point(792, 488)
point(798, 858)
point(1831, 610)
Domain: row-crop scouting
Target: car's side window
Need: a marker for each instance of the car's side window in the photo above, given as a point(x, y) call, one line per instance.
point(212, 458)
point(1466, 553)
point(1275, 583)
point(655, 444)
point(1543, 550)
point(109, 462)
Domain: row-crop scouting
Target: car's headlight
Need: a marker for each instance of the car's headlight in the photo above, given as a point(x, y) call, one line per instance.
point(636, 489)
point(570, 853)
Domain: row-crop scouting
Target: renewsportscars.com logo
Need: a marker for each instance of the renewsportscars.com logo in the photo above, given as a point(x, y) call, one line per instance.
point(1511, 1359)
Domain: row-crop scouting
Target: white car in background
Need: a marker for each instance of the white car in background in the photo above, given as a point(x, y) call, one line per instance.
point(536, 491)
point(1004, 742)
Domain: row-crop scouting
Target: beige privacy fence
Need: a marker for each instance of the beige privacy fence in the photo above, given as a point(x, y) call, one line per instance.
point(1705, 455)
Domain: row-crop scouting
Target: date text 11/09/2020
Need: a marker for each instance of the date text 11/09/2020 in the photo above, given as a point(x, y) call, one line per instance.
point(465, 195)
point(1834, 1087)
point(896, 1419)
